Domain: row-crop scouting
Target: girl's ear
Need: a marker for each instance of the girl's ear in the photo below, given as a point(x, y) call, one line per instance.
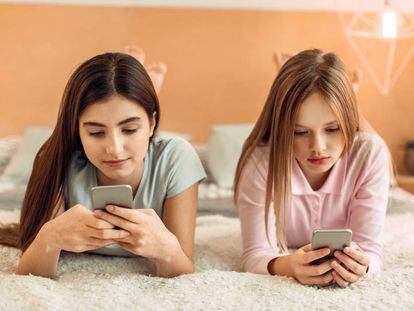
point(152, 123)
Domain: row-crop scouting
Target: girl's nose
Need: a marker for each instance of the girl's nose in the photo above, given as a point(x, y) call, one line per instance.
point(114, 145)
point(318, 143)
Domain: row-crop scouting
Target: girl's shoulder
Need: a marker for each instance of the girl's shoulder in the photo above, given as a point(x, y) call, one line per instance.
point(170, 148)
point(167, 155)
point(261, 153)
point(258, 162)
point(368, 147)
point(174, 163)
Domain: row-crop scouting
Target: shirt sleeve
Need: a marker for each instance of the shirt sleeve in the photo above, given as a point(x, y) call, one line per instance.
point(250, 201)
point(369, 205)
point(185, 168)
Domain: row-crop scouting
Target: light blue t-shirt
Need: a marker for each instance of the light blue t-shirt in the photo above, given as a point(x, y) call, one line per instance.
point(170, 167)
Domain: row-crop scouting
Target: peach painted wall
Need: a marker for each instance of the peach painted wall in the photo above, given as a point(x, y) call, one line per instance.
point(220, 62)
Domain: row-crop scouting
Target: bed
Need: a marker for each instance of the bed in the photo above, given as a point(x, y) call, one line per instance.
point(96, 282)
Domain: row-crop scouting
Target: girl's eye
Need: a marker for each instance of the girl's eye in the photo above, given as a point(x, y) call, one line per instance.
point(332, 130)
point(96, 133)
point(129, 131)
point(300, 133)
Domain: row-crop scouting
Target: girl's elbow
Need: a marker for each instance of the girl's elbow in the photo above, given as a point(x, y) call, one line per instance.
point(171, 274)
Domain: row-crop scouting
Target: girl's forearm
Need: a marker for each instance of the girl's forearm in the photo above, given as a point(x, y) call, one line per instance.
point(176, 264)
point(41, 257)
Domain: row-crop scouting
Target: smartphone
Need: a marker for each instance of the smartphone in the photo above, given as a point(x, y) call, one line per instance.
point(120, 195)
point(335, 239)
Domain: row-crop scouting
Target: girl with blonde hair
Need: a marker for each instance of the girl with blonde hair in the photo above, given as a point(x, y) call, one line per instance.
point(309, 165)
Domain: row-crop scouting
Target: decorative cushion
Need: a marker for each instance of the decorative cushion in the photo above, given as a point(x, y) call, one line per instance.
point(8, 147)
point(224, 149)
point(20, 166)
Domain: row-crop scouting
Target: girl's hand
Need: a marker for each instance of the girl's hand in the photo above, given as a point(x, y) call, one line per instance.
point(78, 230)
point(350, 265)
point(305, 272)
point(149, 236)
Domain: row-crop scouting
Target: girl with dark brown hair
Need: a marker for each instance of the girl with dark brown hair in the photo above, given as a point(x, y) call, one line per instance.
point(106, 135)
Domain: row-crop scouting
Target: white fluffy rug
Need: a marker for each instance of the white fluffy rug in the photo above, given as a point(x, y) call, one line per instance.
point(90, 282)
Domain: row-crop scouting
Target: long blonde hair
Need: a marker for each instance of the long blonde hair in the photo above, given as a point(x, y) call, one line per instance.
point(305, 73)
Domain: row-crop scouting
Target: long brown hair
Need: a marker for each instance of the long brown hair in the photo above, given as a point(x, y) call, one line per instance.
point(305, 73)
point(95, 80)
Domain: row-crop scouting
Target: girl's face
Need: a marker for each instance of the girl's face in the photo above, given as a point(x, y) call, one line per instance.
point(115, 134)
point(318, 140)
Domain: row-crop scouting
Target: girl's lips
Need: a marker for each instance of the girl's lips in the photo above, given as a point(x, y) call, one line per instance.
point(319, 161)
point(117, 163)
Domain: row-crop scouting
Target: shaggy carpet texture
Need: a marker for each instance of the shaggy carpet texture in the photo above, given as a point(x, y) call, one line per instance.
point(91, 282)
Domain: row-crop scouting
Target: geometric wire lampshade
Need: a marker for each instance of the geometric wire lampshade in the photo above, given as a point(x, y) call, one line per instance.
point(383, 41)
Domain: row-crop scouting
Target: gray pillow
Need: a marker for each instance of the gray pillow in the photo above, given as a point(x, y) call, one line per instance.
point(11, 199)
point(224, 149)
point(8, 147)
point(20, 166)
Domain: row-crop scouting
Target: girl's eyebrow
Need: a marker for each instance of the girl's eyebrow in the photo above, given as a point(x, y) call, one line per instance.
point(92, 123)
point(326, 124)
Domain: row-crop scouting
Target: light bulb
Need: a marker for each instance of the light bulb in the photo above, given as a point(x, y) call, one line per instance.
point(389, 24)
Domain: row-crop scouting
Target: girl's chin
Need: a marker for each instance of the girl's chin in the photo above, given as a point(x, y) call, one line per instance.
point(116, 173)
point(322, 168)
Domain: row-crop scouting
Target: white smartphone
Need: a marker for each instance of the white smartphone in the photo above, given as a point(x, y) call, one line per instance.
point(120, 195)
point(335, 239)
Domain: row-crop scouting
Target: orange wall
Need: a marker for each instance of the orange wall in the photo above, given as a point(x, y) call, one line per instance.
point(220, 62)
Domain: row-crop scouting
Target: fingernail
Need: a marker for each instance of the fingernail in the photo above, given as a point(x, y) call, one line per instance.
point(98, 212)
point(125, 234)
point(346, 249)
point(110, 208)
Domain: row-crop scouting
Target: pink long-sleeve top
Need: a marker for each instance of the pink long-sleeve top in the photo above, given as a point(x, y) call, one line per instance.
point(354, 196)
